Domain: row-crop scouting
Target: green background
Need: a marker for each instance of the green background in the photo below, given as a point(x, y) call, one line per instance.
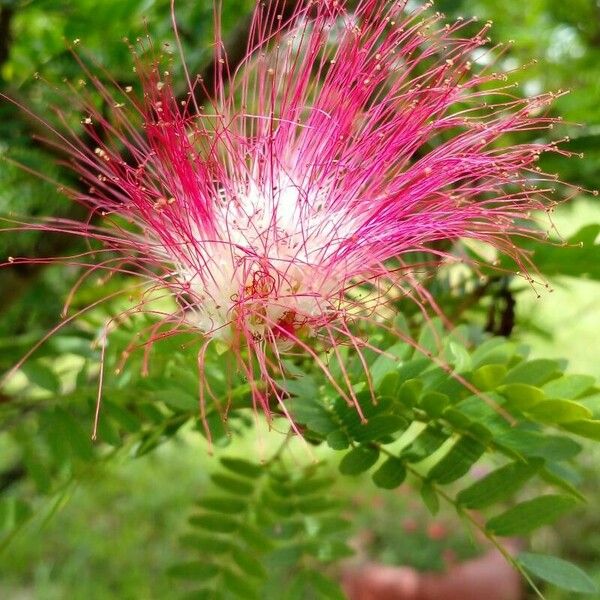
point(115, 536)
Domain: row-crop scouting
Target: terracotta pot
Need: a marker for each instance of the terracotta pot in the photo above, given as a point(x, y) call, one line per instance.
point(488, 576)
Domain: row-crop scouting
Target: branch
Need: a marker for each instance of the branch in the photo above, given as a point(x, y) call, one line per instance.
point(6, 16)
point(12, 476)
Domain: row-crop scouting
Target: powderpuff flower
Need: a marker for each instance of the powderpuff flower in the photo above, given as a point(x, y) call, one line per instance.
point(284, 208)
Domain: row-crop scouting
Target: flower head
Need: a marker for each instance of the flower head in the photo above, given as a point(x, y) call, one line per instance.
point(284, 207)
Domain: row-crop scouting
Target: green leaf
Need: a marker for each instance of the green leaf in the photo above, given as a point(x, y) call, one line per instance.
point(493, 351)
point(65, 436)
point(242, 467)
point(277, 505)
point(333, 525)
point(457, 462)
point(498, 485)
point(290, 555)
point(124, 418)
point(231, 484)
point(338, 440)
point(586, 428)
point(79, 439)
point(223, 504)
point(426, 443)
point(312, 413)
point(389, 385)
point(521, 396)
point(333, 550)
point(148, 442)
point(178, 399)
point(430, 498)
point(297, 588)
point(214, 522)
point(412, 368)
point(378, 427)
point(434, 403)
point(315, 504)
point(390, 474)
point(459, 357)
point(351, 417)
point(42, 376)
point(559, 411)
point(288, 529)
point(488, 377)
point(430, 338)
point(238, 585)
point(303, 386)
point(457, 418)
point(553, 473)
point(386, 363)
point(558, 572)
point(358, 460)
point(254, 538)
point(312, 485)
point(248, 564)
point(410, 391)
point(35, 465)
point(193, 570)
point(325, 587)
point(108, 432)
point(55, 435)
point(532, 443)
point(533, 372)
point(13, 512)
point(530, 515)
point(206, 543)
point(569, 386)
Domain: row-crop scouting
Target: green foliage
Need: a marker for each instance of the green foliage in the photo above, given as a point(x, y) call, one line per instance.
point(267, 521)
point(277, 529)
point(439, 431)
point(577, 256)
point(275, 521)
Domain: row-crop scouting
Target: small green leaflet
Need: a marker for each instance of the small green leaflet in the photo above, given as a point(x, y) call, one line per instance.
point(559, 572)
point(358, 460)
point(559, 411)
point(390, 475)
point(586, 428)
point(530, 515)
point(460, 458)
point(498, 485)
point(430, 498)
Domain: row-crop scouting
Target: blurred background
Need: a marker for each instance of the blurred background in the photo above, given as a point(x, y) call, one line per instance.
point(113, 535)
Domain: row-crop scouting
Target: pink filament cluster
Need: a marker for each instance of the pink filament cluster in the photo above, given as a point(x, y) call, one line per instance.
point(345, 140)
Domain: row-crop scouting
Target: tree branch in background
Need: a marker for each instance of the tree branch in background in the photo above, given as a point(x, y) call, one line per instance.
point(12, 476)
point(6, 16)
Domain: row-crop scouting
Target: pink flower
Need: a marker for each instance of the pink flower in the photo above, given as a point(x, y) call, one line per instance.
point(284, 208)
